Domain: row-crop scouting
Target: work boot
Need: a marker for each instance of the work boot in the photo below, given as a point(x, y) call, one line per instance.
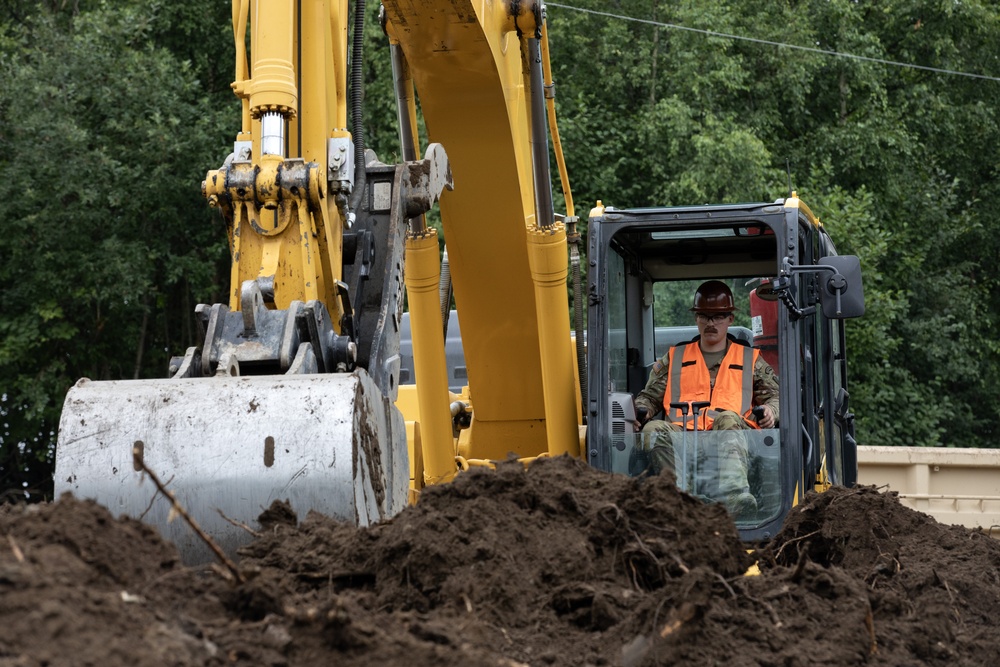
point(742, 505)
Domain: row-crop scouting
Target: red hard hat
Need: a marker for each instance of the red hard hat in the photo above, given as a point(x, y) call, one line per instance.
point(713, 296)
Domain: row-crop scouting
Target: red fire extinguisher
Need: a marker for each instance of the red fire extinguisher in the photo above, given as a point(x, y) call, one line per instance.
point(764, 321)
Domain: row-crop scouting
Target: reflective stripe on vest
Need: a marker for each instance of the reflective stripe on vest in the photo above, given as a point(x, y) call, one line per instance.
point(690, 381)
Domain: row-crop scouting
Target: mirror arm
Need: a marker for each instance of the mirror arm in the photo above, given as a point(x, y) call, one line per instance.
point(783, 283)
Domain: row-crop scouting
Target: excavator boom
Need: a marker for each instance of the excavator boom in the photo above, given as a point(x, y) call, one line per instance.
point(477, 69)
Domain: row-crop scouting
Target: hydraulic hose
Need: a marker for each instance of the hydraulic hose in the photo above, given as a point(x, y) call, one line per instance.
point(445, 291)
point(357, 118)
point(549, 87)
point(581, 347)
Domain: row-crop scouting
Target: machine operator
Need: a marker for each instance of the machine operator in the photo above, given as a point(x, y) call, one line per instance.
point(702, 385)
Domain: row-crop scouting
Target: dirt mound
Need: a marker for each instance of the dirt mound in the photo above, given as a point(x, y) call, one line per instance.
point(557, 565)
point(933, 589)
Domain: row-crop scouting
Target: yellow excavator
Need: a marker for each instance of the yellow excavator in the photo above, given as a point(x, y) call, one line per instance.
point(295, 392)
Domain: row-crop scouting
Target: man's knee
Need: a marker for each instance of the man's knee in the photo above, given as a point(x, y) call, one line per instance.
point(727, 420)
point(658, 427)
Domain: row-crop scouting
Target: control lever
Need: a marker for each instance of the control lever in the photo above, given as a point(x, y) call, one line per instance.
point(641, 415)
point(682, 476)
point(696, 408)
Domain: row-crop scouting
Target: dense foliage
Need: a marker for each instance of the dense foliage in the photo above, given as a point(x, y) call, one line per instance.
point(109, 122)
point(110, 113)
point(899, 163)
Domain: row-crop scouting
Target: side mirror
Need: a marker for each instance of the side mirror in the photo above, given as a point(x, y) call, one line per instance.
point(841, 292)
point(766, 292)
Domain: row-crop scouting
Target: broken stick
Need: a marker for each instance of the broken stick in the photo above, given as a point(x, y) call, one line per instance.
point(176, 507)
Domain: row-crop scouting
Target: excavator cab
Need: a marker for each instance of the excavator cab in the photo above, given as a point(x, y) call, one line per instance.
point(792, 292)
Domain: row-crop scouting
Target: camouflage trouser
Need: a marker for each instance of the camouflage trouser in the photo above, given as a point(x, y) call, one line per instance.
point(725, 456)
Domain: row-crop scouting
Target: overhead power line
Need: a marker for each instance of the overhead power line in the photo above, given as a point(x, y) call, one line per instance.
point(796, 47)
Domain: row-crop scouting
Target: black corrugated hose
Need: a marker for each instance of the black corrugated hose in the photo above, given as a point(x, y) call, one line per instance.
point(357, 97)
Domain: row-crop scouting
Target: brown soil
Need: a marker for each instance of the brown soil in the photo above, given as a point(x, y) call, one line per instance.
point(556, 565)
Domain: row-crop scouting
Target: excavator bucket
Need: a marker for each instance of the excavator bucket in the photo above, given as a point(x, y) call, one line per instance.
point(227, 447)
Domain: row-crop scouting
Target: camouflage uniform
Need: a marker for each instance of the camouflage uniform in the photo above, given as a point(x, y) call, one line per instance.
point(732, 457)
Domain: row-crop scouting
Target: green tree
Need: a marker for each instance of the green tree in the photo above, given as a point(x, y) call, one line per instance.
point(105, 140)
point(899, 162)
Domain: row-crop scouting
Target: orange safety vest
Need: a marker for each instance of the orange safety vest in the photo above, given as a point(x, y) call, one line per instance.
point(689, 382)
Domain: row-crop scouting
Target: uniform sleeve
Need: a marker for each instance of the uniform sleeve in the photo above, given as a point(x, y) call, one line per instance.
point(651, 397)
point(765, 386)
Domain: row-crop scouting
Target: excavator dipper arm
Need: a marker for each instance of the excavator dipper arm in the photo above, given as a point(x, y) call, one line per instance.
point(290, 396)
